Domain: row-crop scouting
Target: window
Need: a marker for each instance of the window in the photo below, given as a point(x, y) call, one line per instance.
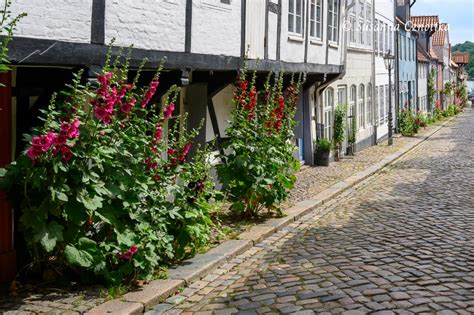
point(328, 100)
point(361, 22)
point(352, 34)
point(377, 101)
point(381, 104)
point(368, 109)
point(352, 101)
point(385, 108)
point(390, 40)
point(361, 107)
point(225, 1)
point(333, 20)
point(295, 17)
point(316, 29)
point(368, 31)
point(387, 46)
point(376, 35)
point(380, 48)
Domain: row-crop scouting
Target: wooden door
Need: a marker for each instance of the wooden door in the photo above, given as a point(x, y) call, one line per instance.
point(7, 252)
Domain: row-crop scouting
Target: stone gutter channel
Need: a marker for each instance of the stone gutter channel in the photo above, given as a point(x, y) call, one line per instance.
point(181, 276)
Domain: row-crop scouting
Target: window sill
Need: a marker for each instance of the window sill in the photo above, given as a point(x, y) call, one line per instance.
point(316, 42)
point(217, 6)
point(296, 38)
point(333, 45)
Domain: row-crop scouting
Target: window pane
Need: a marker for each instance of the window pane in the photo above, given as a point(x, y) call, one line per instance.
point(299, 7)
point(292, 6)
point(298, 24)
point(291, 23)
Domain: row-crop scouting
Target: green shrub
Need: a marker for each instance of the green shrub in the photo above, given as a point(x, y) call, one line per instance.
point(323, 145)
point(339, 117)
point(258, 169)
point(406, 123)
point(106, 186)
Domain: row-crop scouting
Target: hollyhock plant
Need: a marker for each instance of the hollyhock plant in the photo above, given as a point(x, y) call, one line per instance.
point(258, 165)
point(107, 181)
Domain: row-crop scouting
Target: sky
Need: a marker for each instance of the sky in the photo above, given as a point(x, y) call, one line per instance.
point(459, 14)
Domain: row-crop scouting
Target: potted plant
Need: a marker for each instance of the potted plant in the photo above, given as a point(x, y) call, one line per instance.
point(321, 156)
point(338, 137)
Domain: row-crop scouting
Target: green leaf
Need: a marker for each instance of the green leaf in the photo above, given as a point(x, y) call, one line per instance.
point(78, 257)
point(75, 213)
point(62, 196)
point(50, 235)
point(90, 203)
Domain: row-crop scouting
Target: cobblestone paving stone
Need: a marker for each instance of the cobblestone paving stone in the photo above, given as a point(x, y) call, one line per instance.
point(399, 243)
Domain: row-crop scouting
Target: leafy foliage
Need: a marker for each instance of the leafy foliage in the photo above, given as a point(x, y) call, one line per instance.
point(324, 145)
point(407, 124)
point(431, 87)
point(8, 25)
point(107, 186)
point(339, 116)
point(468, 47)
point(258, 168)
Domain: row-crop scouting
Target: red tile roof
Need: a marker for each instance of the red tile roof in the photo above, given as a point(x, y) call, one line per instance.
point(421, 54)
point(461, 58)
point(425, 21)
point(440, 35)
point(433, 54)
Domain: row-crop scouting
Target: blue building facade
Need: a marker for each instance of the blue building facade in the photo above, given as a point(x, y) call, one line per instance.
point(407, 62)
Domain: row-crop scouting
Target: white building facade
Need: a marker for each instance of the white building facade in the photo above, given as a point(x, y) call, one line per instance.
point(384, 43)
point(205, 43)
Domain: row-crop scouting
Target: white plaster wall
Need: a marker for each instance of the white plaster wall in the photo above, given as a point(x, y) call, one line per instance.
point(272, 35)
point(68, 20)
point(147, 24)
point(216, 27)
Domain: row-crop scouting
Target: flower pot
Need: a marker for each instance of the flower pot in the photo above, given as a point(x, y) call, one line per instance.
point(321, 158)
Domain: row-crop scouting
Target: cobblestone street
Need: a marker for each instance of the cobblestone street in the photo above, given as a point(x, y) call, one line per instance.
point(401, 242)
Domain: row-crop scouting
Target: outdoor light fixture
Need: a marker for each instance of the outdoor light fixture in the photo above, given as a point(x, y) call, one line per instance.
point(389, 61)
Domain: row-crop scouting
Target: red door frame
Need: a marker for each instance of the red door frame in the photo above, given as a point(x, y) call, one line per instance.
point(7, 251)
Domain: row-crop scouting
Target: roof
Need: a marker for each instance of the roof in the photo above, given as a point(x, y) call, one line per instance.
point(433, 54)
point(428, 22)
point(439, 36)
point(421, 54)
point(461, 58)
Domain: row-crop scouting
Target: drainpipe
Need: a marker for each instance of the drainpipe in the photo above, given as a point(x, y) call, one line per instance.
point(417, 100)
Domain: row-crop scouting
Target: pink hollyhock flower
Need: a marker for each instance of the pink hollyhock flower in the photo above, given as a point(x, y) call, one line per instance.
point(107, 120)
point(34, 152)
point(59, 140)
point(100, 113)
point(156, 177)
point(171, 151)
point(133, 249)
point(125, 108)
point(186, 148)
point(36, 141)
point(149, 93)
point(66, 153)
point(169, 111)
point(45, 143)
point(65, 126)
point(159, 133)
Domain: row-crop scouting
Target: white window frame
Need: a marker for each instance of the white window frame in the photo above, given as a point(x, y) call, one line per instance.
point(353, 25)
point(368, 19)
point(316, 19)
point(328, 113)
point(381, 104)
point(361, 107)
point(369, 104)
point(333, 21)
point(361, 16)
point(293, 17)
